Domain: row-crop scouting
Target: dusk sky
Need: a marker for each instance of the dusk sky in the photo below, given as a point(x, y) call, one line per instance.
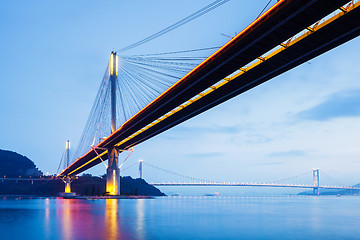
point(54, 55)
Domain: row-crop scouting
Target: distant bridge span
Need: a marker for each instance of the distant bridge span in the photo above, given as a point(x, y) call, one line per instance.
point(224, 184)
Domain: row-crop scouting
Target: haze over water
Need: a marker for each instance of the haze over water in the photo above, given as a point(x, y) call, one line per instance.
point(280, 217)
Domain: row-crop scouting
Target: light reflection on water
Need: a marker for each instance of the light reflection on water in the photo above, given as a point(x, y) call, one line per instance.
point(113, 229)
point(181, 218)
point(140, 209)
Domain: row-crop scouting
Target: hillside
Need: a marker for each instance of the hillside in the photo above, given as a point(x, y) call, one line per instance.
point(13, 164)
point(84, 185)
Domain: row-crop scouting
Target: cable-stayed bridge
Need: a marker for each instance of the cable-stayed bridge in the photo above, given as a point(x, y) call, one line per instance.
point(130, 109)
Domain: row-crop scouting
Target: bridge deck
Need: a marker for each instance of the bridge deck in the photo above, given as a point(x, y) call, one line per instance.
point(278, 24)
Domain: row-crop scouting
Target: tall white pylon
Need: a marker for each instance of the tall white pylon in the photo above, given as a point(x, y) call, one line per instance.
point(113, 171)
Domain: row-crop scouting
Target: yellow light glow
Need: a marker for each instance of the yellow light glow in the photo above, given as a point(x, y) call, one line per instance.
point(67, 189)
point(112, 219)
point(111, 63)
point(114, 182)
point(112, 186)
point(114, 61)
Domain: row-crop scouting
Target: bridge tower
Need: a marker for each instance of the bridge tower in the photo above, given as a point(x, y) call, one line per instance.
point(140, 168)
point(67, 154)
point(113, 171)
point(67, 163)
point(316, 180)
point(67, 180)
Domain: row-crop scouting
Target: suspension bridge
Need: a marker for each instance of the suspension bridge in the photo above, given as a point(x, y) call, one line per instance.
point(142, 96)
point(309, 179)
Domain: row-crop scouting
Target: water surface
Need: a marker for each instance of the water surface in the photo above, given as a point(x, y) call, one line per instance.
point(290, 217)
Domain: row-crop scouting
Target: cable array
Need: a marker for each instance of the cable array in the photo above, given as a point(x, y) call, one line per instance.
point(296, 179)
point(99, 119)
point(183, 21)
point(128, 167)
point(61, 163)
point(177, 52)
point(140, 80)
point(177, 174)
point(333, 180)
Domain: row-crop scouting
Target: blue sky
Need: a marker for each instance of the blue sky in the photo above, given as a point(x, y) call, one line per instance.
point(54, 54)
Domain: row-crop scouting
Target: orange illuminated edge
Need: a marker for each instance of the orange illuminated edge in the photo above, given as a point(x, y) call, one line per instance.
point(88, 162)
point(184, 77)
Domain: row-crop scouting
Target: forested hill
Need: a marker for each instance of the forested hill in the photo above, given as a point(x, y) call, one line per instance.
point(13, 164)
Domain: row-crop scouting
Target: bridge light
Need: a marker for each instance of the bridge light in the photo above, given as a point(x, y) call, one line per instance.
point(67, 144)
point(112, 185)
point(113, 64)
point(67, 189)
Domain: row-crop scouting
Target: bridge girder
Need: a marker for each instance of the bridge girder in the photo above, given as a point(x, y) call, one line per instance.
point(283, 20)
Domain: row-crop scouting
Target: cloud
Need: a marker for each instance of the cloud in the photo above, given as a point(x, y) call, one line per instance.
point(346, 104)
point(292, 153)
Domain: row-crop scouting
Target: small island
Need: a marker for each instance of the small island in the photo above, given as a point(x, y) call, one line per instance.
point(14, 167)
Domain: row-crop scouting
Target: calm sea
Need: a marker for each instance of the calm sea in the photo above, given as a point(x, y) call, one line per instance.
point(280, 217)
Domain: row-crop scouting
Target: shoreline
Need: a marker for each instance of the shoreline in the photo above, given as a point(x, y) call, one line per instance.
point(79, 197)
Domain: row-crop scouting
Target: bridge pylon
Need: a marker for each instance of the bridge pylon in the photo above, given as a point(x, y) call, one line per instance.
point(316, 180)
point(140, 168)
point(67, 180)
point(113, 170)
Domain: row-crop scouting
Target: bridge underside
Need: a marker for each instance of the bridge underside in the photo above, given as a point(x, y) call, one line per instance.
point(280, 23)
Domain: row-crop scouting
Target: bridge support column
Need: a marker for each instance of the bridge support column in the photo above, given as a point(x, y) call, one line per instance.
point(67, 194)
point(316, 179)
point(67, 185)
point(113, 173)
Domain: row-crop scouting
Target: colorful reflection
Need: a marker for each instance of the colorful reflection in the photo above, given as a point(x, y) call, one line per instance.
point(181, 218)
point(140, 212)
point(112, 230)
point(93, 219)
point(47, 218)
point(80, 219)
point(67, 221)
